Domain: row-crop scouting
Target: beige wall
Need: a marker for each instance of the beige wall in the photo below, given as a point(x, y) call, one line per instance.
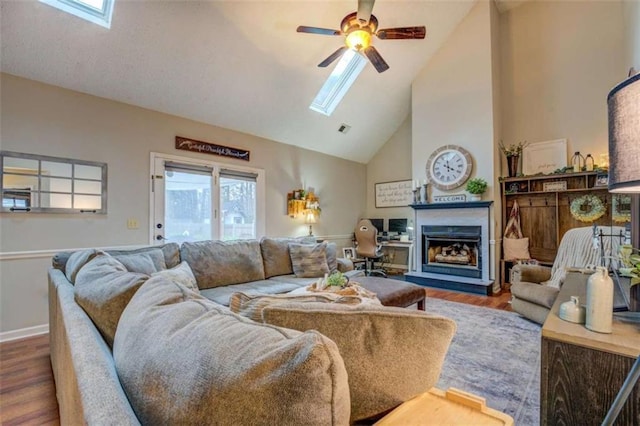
point(452, 99)
point(559, 61)
point(391, 163)
point(631, 13)
point(42, 119)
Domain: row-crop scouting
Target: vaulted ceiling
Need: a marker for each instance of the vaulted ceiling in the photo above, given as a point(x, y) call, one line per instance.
point(234, 64)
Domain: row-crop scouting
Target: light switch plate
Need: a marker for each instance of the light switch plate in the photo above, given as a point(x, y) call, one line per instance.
point(132, 223)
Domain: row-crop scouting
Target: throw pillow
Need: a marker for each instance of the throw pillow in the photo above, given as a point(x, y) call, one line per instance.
point(391, 354)
point(77, 260)
point(183, 359)
point(251, 305)
point(181, 274)
point(309, 260)
point(146, 263)
point(103, 289)
point(516, 248)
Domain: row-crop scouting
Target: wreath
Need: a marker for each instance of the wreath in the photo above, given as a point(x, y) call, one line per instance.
point(621, 208)
point(587, 208)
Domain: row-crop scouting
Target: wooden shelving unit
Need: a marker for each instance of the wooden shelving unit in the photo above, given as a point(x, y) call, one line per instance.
point(545, 215)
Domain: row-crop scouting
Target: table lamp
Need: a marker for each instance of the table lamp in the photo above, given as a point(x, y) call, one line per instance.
point(624, 177)
point(310, 219)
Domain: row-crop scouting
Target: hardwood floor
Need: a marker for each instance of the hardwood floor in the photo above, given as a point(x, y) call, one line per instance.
point(27, 391)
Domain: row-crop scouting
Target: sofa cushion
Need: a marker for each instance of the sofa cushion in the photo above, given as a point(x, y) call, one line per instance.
point(391, 354)
point(275, 254)
point(103, 289)
point(181, 274)
point(222, 294)
point(146, 262)
point(251, 305)
point(309, 260)
point(171, 252)
point(196, 362)
point(76, 261)
point(536, 293)
point(219, 263)
point(332, 257)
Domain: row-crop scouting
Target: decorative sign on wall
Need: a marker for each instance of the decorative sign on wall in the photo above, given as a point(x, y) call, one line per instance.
point(394, 194)
point(449, 198)
point(554, 186)
point(211, 148)
point(544, 157)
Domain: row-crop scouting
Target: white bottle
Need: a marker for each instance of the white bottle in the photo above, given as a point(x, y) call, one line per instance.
point(599, 301)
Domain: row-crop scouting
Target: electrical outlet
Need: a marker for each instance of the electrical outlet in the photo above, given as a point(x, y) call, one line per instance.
point(132, 223)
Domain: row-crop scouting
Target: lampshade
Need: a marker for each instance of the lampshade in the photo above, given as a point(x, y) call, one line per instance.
point(310, 217)
point(624, 136)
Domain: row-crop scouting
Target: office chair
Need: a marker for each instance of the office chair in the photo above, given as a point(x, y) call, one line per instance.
point(367, 247)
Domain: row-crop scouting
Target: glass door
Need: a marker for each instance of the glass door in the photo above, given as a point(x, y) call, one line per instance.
point(193, 201)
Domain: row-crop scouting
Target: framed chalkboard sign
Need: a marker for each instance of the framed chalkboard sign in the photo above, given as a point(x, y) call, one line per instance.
point(394, 194)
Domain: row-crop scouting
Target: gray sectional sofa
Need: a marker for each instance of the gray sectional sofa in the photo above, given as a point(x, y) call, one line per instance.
point(146, 336)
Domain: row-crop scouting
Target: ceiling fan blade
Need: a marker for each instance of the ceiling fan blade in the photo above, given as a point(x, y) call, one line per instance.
point(402, 33)
point(378, 63)
point(316, 30)
point(335, 55)
point(365, 7)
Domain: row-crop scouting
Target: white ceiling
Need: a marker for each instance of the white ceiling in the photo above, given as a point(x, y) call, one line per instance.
point(235, 64)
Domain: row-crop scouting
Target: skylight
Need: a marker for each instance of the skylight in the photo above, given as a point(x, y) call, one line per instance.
point(337, 85)
point(96, 11)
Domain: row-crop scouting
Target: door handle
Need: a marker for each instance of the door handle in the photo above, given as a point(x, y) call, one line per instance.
point(160, 237)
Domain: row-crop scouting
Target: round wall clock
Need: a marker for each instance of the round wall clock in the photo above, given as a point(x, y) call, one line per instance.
point(449, 167)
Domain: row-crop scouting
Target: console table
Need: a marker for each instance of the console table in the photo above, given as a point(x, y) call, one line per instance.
point(581, 370)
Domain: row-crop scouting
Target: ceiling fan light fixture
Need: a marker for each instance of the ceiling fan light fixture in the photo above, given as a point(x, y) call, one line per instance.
point(358, 39)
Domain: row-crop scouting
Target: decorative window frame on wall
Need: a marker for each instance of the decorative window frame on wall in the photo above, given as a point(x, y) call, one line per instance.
point(31, 183)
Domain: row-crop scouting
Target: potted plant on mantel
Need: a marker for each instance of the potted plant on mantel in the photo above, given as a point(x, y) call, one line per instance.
point(476, 187)
point(512, 152)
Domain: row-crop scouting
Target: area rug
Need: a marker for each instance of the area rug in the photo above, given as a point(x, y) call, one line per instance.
point(494, 354)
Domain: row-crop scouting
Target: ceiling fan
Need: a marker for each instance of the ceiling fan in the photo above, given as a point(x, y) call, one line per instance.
point(358, 27)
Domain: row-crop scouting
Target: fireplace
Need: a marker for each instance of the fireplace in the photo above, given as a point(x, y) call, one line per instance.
point(453, 246)
point(452, 250)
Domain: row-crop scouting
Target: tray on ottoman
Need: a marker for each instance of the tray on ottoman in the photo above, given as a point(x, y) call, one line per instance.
point(392, 292)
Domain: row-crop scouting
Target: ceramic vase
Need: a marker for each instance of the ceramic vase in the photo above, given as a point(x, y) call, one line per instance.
point(599, 315)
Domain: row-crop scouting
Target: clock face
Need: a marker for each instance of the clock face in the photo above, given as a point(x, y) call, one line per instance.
point(449, 167)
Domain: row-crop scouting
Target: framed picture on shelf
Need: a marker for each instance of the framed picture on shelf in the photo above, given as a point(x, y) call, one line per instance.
point(602, 179)
point(544, 157)
point(349, 252)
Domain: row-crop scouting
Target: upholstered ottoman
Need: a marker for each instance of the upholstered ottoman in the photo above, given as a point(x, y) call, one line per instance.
point(392, 292)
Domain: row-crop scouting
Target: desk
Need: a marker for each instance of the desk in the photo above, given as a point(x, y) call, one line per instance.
point(398, 254)
point(582, 371)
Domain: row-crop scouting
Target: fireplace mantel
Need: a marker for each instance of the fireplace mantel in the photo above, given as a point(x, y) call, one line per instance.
point(461, 205)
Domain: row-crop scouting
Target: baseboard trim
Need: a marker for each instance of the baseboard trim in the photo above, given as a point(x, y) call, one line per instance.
point(24, 333)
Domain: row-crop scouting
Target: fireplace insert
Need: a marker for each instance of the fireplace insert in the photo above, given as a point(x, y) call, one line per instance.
point(452, 250)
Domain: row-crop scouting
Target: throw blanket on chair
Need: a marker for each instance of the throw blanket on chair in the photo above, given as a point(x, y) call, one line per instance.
point(579, 250)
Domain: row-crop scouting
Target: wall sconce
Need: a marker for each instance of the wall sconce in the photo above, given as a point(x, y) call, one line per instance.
point(300, 201)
